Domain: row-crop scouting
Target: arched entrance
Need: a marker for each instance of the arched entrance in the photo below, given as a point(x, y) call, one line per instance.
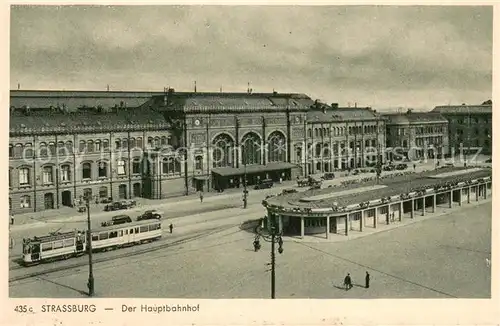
point(66, 198)
point(48, 200)
point(122, 191)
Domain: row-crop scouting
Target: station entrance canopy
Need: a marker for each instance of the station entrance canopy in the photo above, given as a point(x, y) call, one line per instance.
point(250, 169)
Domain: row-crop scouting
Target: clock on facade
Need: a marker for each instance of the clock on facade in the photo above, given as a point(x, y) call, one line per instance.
point(297, 119)
point(196, 122)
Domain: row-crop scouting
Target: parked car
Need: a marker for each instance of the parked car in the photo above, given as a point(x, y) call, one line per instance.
point(150, 215)
point(401, 166)
point(122, 204)
point(328, 176)
point(389, 167)
point(264, 184)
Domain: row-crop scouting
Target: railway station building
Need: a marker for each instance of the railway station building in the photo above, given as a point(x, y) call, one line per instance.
point(65, 145)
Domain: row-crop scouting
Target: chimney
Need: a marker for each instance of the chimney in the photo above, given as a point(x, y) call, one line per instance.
point(18, 86)
point(248, 87)
point(107, 87)
point(195, 86)
point(355, 104)
point(221, 88)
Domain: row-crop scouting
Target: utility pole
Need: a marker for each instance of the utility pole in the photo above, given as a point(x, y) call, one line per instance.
point(90, 283)
point(273, 265)
point(245, 191)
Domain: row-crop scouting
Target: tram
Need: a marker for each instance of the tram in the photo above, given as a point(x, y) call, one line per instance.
point(59, 246)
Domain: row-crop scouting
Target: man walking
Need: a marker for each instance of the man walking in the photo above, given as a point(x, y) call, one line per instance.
point(171, 227)
point(367, 280)
point(348, 282)
point(201, 197)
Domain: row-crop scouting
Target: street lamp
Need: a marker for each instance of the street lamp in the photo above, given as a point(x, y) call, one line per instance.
point(245, 190)
point(274, 236)
point(90, 283)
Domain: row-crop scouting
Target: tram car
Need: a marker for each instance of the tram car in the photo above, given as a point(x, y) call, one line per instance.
point(59, 246)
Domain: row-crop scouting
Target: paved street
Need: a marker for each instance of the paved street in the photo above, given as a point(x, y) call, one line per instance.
point(440, 257)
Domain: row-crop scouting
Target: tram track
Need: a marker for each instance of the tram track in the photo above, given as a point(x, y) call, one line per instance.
point(126, 254)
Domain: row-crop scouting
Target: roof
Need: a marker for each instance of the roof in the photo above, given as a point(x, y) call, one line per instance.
point(253, 169)
point(224, 102)
point(341, 114)
point(73, 101)
point(414, 118)
point(394, 186)
point(463, 109)
point(98, 228)
point(51, 121)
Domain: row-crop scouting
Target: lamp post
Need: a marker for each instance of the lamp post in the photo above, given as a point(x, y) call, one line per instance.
point(274, 236)
point(90, 283)
point(245, 190)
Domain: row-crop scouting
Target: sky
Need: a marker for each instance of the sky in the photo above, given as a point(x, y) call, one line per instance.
point(378, 56)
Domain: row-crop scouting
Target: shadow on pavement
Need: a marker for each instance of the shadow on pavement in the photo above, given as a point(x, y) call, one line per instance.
point(65, 286)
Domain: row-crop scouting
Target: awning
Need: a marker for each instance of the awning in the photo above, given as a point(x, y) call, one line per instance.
point(253, 169)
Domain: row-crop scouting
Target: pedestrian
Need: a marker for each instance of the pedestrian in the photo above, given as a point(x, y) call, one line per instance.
point(201, 197)
point(12, 219)
point(171, 227)
point(367, 280)
point(414, 166)
point(348, 282)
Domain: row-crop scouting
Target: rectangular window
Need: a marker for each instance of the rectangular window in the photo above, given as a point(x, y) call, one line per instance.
point(47, 175)
point(136, 167)
point(103, 236)
point(57, 244)
point(95, 237)
point(46, 246)
point(24, 176)
point(98, 146)
point(69, 242)
point(120, 167)
point(143, 229)
point(25, 201)
point(65, 173)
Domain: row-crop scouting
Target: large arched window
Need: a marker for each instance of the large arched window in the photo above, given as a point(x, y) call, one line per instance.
point(251, 149)
point(277, 147)
point(222, 152)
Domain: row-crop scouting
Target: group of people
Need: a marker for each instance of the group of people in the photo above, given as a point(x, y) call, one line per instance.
point(348, 281)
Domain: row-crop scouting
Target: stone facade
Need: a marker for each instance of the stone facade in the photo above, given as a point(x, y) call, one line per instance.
point(470, 128)
point(416, 135)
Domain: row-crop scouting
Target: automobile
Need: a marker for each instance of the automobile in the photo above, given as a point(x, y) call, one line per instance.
point(118, 205)
point(289, 191)
point(150, 215)
point(389, 167)
point(488, 160)
point(264, 184)
point(328, 176)
point(401, 166)
point(118, 219)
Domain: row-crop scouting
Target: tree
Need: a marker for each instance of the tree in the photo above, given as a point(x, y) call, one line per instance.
point(488, 102)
